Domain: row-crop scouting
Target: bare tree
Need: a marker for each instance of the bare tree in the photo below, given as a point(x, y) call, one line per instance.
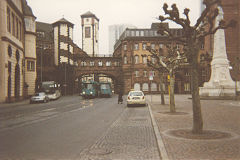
point(192, 38)
point(171, 62)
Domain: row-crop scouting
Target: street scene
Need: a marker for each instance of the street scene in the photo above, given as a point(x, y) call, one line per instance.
point(119, 80)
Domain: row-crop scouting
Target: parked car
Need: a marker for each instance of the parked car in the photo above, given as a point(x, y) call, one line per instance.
point(136, 97)
point(39, 97)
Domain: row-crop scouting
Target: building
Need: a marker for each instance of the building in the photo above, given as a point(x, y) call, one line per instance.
point(56, 54)
point(132, 47)
point(90, 34)
point(18, 50)
point(114, 33)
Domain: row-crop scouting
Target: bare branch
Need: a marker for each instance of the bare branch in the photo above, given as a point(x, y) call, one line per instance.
point(208, 5)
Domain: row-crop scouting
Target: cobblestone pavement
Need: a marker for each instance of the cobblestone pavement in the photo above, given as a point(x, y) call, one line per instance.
point(131, 137)
point(218, 115)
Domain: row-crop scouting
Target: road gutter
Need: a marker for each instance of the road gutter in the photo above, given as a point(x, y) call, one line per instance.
point(161, 146)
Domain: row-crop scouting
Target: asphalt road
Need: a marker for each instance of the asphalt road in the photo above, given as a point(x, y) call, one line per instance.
point(60, 129)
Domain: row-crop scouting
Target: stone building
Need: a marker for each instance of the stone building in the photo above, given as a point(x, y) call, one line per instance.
point(90, 34)
point(55, 53)
point(132, 47)
point(18, 50)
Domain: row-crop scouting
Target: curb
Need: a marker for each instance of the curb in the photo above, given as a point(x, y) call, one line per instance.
point(161, 146)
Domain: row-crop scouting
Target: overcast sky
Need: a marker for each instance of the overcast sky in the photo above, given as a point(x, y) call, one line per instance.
point(140, 13)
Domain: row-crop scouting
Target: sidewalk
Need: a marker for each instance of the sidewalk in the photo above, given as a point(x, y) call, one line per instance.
point(221, 118)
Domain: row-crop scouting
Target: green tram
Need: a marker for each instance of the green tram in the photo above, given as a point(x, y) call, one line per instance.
point(95, 89)
point(105, 90)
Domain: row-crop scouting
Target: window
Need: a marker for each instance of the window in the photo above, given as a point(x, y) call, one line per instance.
point(152, 46)
point(142, 33)
point(186, 86)
point(136, 73)
point(100, 63)
point(151, 73)
point(136, 46)
point(177, 46)
point(108, 63)
point(144, 59)
point(136, 58)
point(30, 65)
point(8, 20)
point(145, 73)
point(153, 87)
point(13, 24)
point(153, 60)
point(87, 32)
point(145, 87)
point(83, 63)
point(136, 87)
point(17, 30)
point(160, 45)
point(144, 46)
point(163, 86)
point(20, 30)
point(91, 63)
point(125, 60)
point(9, 51)
point(124, 47)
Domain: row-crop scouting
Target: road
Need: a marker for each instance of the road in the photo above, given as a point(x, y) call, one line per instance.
point(72, 127)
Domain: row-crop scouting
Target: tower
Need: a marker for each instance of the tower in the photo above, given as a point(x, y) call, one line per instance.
point(30, 49)
point(63, 42)
point(90, 34)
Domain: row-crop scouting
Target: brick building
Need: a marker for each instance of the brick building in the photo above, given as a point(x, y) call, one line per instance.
point(132, 48)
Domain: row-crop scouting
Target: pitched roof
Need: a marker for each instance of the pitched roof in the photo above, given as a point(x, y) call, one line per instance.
point(27, 10)
point(89, 14)
point(63, 21)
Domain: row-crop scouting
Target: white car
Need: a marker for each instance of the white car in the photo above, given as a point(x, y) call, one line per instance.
point(39, 97)
point(136, 97)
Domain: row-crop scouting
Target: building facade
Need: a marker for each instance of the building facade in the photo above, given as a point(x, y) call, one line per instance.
point(18, 50)
point(56, 54)
point(114, 33)
point(90, 34)
point(132, 47)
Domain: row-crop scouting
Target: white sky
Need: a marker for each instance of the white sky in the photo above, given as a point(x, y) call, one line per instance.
point(140, 13)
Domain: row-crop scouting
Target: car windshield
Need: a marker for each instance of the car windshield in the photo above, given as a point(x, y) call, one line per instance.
point(136, 94)
point(105, 86)
point(39, 94)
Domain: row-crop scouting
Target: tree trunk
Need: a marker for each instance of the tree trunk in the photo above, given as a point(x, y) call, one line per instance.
point(196, 105)
point(162, 91)
point(172, 100)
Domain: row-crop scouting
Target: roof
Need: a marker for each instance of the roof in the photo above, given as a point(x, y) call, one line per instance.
point(27, 10)
point(46, 28)
point(63, 21)
point(89, 14)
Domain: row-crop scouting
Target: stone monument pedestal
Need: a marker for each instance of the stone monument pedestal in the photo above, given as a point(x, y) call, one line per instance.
point(220, 84)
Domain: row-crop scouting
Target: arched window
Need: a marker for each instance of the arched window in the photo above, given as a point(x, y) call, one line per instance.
point(137, 87)
point(91, 63)
point(108, 63)
point(153, 87)
point(100, 63)
point(136, 58)
point(163, 86)
point(9, 51)
point(145, 87)
point(17, 55)
point(83, 63)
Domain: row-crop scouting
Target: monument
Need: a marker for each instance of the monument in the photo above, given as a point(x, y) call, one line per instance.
point(220, 83)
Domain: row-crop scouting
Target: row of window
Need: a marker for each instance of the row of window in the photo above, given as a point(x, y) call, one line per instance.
point(145, 74)
point(153, 87)
point(14, 24)
point(100, 64)
point(137, 59)
point(144, 46)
